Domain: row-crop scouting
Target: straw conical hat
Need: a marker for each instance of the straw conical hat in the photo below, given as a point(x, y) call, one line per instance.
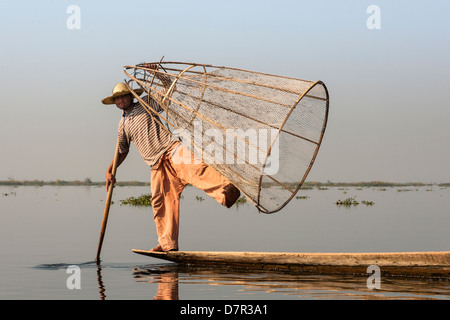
point(120, 89)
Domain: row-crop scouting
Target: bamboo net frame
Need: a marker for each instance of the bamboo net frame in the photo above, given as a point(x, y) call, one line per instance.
point(261, 131)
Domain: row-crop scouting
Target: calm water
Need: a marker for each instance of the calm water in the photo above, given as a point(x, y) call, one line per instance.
point(44, 230)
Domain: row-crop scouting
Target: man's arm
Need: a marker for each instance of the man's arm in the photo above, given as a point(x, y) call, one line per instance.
point(165, 79)
point(166, 82)
point(109, 176)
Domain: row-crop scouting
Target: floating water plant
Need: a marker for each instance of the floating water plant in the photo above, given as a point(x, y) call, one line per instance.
point(241, 200)
point(199, 198)
point(143, 200)
point(347, 202)
point(352, 202)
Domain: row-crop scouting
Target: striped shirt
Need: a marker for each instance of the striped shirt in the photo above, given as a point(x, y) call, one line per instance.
point(150, 138)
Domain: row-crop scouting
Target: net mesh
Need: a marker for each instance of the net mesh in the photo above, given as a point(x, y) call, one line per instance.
point(261, 131)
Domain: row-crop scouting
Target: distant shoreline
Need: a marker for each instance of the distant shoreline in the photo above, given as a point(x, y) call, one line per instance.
point(85, 182)
point(88, 182)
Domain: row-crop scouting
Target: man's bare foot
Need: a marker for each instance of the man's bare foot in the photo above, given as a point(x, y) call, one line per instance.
point(158, 248)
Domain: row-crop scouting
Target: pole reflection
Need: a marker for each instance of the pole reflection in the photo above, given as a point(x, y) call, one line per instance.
point(101, 286)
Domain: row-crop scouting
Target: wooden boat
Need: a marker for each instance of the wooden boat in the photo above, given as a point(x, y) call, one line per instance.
point(415, 264)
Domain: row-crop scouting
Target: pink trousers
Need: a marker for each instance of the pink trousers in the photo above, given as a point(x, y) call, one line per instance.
point(177, 168)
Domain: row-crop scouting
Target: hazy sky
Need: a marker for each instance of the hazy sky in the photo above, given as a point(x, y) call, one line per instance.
point(389, 107)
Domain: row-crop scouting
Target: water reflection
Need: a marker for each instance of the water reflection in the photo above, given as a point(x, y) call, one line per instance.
point(206, 283)
point(166, 278)
point(84, 266)
point(101, 286)
point(251, 285)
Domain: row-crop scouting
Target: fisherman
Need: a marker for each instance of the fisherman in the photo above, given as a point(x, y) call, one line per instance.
point(173, 166)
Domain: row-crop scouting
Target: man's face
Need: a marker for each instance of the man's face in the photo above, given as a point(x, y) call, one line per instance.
point(123, 102)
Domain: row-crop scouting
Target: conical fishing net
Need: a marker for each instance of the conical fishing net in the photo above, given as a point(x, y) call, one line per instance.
point(261, 131)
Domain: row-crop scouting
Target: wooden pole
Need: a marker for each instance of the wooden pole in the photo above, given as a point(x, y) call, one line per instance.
point(108, 203)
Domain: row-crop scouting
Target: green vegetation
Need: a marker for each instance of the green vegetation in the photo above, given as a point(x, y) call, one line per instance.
point(58, 182)
point(365, 184)
point(143, 200)
point(352, 202)
point(199, 198)
point(347, 202)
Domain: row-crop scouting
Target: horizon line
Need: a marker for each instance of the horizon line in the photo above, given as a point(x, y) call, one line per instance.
point(89, 182)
